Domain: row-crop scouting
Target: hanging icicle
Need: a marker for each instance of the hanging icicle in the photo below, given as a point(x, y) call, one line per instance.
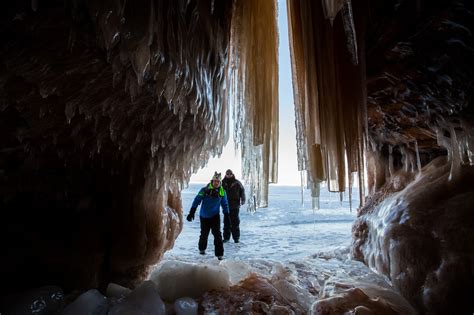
point(329, 96)
point(254, 83)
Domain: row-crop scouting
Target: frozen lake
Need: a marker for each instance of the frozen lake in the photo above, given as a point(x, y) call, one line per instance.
point(285, 231)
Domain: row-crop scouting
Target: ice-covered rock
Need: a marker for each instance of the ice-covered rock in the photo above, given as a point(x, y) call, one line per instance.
point(144, 300)
point(185, 306)
point(43, 300)
point(175, 279)
point(115, 290)
point(238, 270)
point(420, 238)
point(89, 302)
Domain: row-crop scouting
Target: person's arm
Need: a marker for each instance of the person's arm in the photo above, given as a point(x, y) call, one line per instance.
point(225, 204)
point(196, 203)
point(225, 209)
point(242, 194)
point(198, 199)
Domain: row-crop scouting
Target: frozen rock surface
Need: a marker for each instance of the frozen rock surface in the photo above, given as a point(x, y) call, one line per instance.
point(175, 279)
point(117, 291)
point(332, 283)
point(44, 300)
point(185, 306)
point(89, 302)
point(420, 237)
point(144, 300)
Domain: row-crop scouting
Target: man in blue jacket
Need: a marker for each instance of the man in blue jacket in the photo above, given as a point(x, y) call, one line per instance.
point(212, 196)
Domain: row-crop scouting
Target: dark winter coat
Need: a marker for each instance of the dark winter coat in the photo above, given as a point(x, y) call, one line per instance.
point(235, 192)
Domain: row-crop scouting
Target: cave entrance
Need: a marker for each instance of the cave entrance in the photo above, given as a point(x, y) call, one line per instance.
point(288, 229)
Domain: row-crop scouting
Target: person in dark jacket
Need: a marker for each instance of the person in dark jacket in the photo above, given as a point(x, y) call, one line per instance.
point(212, 196)
point(236, 196)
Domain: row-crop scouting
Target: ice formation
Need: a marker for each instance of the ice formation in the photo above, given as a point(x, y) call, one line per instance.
point(254, 88)
point(176, 279)
point(414, 226)
point(328, 92)
point(313, 286)
point(145, 299)
point(409, 235)
point(89, 302)
point(316, 285)
point(43, 300)
point(123, 102)
point(207, 77)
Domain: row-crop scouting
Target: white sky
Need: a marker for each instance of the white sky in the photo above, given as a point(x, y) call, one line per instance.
point(287, 165)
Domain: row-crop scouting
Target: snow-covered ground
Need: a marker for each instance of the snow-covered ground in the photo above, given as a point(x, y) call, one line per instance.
point(286, 230)
point(291, 260)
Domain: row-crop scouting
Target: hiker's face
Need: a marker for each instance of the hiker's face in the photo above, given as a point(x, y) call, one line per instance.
point(228, 174)
point(216, 183)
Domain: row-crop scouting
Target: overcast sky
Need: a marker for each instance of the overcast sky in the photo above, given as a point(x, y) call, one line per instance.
point(287, 167)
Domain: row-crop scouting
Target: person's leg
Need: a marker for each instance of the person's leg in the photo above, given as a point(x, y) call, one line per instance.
point(205, 229)
point(226, 229)
point(235, 224)
point(216, 231)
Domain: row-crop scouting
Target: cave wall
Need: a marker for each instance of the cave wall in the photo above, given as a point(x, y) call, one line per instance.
point(104, 115)
point(416, 226)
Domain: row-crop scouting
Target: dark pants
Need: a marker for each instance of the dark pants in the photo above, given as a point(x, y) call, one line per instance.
point(233, 225)
point(214, 224)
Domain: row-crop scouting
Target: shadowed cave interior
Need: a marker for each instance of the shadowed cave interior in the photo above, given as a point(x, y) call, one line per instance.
point(108, 107)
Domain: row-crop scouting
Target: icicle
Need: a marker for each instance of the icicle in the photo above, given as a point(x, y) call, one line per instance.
point(34, 5)
point(405, 158)
point(351, 183)
point(443, 142)
point(42, 112)
point(456, 158)
point(418, 161)
point(329, 107)
point(470, 149)
point(349, 28)
point(254, 85)
point(303, 181)
point(331, 8)
point(390, 160)
point(72, 39)
point(99, 145)
point(315, 192)
point(70, 111)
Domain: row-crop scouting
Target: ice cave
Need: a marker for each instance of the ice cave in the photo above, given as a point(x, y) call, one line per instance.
point(108, 107)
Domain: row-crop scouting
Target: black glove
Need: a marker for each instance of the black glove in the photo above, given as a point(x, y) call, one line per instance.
point(190, 216)
point(227, 219)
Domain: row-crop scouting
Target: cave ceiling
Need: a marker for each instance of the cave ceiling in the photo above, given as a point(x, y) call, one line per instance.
point(419, 74)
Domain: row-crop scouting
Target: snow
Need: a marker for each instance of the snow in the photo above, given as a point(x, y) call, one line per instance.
point(286, 230)
point(298, 256)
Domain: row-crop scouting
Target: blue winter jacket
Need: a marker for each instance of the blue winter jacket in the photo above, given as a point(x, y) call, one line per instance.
point(211, 198)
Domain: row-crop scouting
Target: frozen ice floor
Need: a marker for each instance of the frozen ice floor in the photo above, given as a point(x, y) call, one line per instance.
point(285, 231)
